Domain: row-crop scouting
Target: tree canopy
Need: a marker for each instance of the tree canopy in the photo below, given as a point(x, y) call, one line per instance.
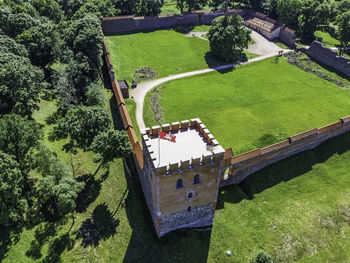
point(41, 42)
point(228, 37)
point(343, 30)
point(56, 188)
point(12, 202)
point(20, 86)
point(18, 137)
point(82, 124)
point(111, 144)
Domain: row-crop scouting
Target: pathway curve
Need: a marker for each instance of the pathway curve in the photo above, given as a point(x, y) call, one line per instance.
point(139, 93)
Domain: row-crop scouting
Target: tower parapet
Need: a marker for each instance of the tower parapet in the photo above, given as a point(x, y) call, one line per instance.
point(181, 178)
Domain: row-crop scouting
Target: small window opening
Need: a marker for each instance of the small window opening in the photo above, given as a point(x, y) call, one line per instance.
point(189, 195)
point(197, 179)
point(189, 209)
point(179, 184)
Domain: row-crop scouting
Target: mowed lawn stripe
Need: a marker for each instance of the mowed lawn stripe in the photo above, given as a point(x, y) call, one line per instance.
point(253, 101)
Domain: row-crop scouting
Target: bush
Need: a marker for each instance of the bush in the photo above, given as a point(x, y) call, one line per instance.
point(262, 257)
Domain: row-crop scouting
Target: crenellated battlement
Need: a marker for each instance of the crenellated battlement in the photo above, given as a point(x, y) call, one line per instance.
point(195, 147)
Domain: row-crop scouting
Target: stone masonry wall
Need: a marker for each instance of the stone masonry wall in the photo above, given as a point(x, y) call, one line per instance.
point(328, 57)
point(200, 216)
point(130, 23)
point(253, 161)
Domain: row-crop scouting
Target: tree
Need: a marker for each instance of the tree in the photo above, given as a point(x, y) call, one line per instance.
point(17, 23)
point(343, 6)
point(126, 7)
point(98, 8)
point(148, 7)
point(256, 4)
point(343, 30)
point(110, 145)
point(12, 202)
point(83, 37)
point(9, 45)
point(196, 4)
point(57, 190)
point(288, 12)
point(71, 6)
point(81, 125)
point(228, 37)
point(41, 42)
point(20, 86)
point(180, 4)
point(48, 8)
point(94, 95)
point(18, 137)
point(313, 13)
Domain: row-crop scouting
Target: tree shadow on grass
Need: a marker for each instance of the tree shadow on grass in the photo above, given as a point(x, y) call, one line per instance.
point(91, 190)
point(214, 62)
point(57, 247)
point(294, 166)
point(145, 246)
point(42, 234)
point(101, 225)
point(8, 237)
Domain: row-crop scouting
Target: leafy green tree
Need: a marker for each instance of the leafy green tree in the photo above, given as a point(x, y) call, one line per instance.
point(41, 42)
point(256, 4)
point(313, 13)
point(4, 14)
point(228, 37)
point(12, 202)
point(98, 8)
point(95, 96)
point(18, 137)
point(9, 45)
point(70, 7)
point(48, 8)
point(81, 125)
point(20, 86)
point(288, 12)
point(343, 6)
point(84, 39)
point(110, 145)
point(17, 23)
point(148, 7)
point(57, 190)
point(196, 4)
point(126, 7)
point(180, 4)
point(343, 30)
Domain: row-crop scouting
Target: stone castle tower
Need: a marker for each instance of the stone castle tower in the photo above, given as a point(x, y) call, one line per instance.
point(180, 180)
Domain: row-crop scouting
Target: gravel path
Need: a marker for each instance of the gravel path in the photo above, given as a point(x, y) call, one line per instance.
point(260, 47)
point(139, 93)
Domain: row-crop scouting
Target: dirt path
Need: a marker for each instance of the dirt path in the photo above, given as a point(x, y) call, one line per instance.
point(140, 92)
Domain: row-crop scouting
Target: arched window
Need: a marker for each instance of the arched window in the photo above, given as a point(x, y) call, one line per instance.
point(189, 209)
point(179, 184)
point(197, 179)
point(190, 195)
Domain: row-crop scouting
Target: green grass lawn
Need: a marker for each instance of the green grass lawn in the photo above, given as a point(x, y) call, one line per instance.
point(253, 105)
point(168, 52)
point(296, 210)
point(327, 39)
point(170, 8)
